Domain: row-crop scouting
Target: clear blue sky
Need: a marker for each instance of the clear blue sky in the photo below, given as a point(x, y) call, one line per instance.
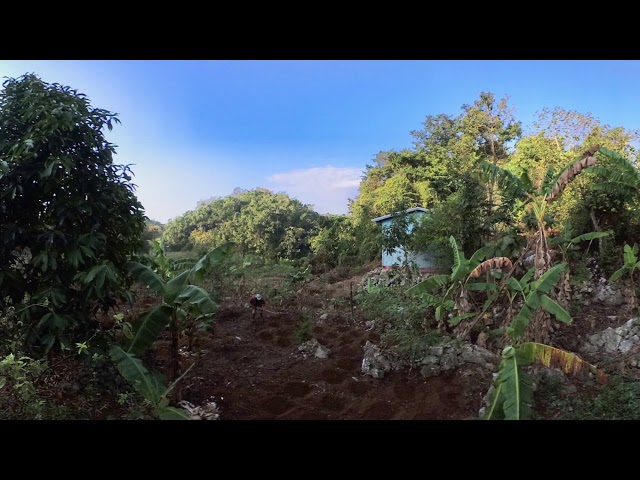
point(197, 129)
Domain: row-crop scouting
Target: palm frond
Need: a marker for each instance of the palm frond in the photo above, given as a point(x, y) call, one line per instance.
point(510, 185)
point(497, 263)
point(566, 175)
point(552, 357)
point(429, 284)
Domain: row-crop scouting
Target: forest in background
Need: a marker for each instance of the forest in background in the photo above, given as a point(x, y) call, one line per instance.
point(443, 172)
point(78, 253)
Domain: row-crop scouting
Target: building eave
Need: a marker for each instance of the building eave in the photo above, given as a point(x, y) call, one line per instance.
point(390, 215)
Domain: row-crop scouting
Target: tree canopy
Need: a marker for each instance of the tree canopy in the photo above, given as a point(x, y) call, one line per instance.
point(70, 218)
point(443, 172)
point(258, 221)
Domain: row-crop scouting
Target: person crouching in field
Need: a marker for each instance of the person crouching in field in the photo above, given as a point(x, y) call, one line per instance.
point(257, 302)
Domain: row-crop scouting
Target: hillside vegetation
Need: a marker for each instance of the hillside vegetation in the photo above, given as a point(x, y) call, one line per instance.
point(109, 311)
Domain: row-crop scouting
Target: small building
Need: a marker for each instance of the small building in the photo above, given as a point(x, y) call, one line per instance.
point(422, 259)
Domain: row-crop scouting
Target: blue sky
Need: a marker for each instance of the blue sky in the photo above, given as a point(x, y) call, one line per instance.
point(198, 129)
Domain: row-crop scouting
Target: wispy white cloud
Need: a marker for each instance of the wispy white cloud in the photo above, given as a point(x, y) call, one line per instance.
point(327, 188)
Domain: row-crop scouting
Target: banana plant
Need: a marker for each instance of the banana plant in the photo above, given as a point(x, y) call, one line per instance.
point(624, 177)
point(631, 263)
point(511, 396)
point(183, 301)
point(164, 265)
point(536, 199)
point(566, 244)
point(457, 287)
point(150, 385)
point(535, 296)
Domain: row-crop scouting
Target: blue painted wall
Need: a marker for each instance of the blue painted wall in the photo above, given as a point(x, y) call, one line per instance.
point(422, 260)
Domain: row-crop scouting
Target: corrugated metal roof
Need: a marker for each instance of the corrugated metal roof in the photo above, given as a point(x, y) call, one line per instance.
point(409, 210)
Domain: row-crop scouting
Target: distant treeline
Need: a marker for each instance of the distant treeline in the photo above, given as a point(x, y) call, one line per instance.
point(442, 172)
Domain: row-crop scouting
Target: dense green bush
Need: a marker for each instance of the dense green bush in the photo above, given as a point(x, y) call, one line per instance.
point(260, 222)
point(70, 218)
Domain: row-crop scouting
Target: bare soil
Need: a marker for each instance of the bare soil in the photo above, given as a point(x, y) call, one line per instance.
point(254, 370)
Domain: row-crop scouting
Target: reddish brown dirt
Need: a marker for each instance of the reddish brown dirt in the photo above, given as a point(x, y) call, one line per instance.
point(254, 370)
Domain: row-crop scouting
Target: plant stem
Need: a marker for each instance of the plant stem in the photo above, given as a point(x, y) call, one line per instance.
point(175, 358)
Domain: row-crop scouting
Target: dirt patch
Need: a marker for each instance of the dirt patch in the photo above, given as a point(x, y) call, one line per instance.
point(296, 389)
point(333, 403)
point(277, 405)
point(254, 371)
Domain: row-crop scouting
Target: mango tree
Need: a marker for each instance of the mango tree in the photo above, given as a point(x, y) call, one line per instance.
point(70, 219)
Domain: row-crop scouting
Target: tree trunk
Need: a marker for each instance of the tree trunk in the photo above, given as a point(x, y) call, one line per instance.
point(175, 356)
point(539, 330)
point(596, 227)
point(492, 184)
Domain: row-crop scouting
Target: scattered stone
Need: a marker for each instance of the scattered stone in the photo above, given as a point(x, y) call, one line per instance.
point(430, 360)
point(608, 294)
point(209, 411)
point(481, 341)
point(436, 351)
point(449, 361)
point(429, 371)
point(322, 352)
point(479, 356)
point(611, 339)
point(375, 363)
point(626, 346)
point(313, 347)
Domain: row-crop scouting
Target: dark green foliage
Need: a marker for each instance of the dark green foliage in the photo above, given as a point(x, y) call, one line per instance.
point(397, 309)
point(535, 295)
point(150, 385)
point(70, 218)
point(260, 222)
point(304, 330)
point(462, 215)
point(405, 321)
point(345, 241)
point(512, 397)
point(617, 400)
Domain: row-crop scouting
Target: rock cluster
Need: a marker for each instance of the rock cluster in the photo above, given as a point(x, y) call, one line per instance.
point(435, 360)
point(624, 339)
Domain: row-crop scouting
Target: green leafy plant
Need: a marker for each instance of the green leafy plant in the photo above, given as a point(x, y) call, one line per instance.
point(304, 330)
point(183, 303)
point(70, 218)
point(619, 399)
point(301, 276)
point(631, 263)
point(393, 307)
point(567, 244)
point(456, 295)
point(535, 295)
point(18, 394)
point(512, 394)
point(150, 385)
point(536, 200)
point(371, 288)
